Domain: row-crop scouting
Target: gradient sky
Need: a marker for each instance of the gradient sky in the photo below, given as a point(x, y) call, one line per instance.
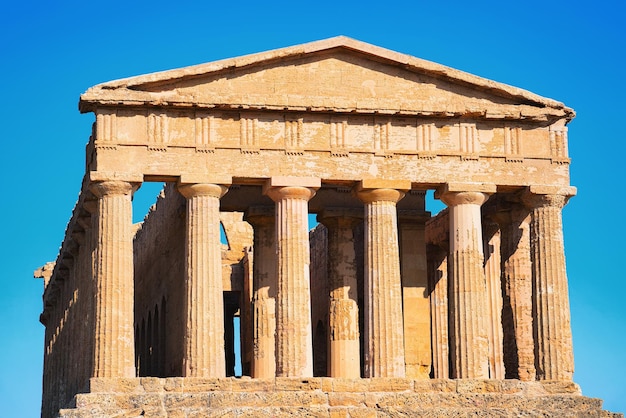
point(52, 51)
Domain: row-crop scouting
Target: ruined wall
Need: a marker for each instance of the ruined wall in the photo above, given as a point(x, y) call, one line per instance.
point(68, 319)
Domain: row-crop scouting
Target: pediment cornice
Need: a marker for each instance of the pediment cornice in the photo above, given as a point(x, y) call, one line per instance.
point(175, 88)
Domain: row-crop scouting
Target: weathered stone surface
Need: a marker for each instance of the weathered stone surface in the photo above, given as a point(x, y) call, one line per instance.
point(358, 135)
point(365, 398)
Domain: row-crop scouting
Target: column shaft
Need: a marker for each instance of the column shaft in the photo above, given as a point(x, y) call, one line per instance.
point(384, 333)
point(204, 302)
point(553, 334)
point(468, 293)
point(517, 275)
point(344, 356)
point(114, 281)
point(294, 346)
point(493, 270)
point(438, 284)
point(264, 292)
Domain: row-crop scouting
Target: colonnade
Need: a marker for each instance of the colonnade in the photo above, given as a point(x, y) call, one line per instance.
point(281, 300)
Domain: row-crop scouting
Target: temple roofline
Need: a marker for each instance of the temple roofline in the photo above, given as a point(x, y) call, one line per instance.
point(100, 93)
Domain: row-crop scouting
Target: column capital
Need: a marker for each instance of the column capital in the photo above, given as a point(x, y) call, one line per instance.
point(380, 190)
point(410, 216)
point(202, 189)
point(340, 217)
point(379, 195)
point(112, 187)
point(463, 198)
point(277, 193)
point(260, 215)
point(535, 200)
point(453, 194)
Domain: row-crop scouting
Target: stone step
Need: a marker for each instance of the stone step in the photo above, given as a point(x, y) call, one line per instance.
point(333, 405)
point(330, 398)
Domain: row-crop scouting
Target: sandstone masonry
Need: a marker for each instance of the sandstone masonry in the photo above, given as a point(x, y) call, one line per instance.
point(380, 310)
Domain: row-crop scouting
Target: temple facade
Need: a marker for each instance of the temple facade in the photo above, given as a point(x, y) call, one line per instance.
point(379, 301)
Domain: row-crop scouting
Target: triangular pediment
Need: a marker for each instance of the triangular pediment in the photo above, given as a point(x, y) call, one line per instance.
point(338, 74)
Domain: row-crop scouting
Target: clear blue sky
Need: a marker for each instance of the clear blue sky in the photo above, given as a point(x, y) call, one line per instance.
point(51, 52)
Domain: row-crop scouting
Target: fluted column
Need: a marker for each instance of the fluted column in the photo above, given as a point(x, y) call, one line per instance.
point(294, 346)
point(468, 293)
point(438, 287)
point(493, 270)
point(384, 333)
point(553, 333)
point(344, 358)
point(204, 301)
point(264, 291)
point(114, 281)
point(518, 290)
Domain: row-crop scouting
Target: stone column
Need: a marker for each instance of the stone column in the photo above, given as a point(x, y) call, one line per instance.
point(114, 281)
point(493, 273)
point(294, 346)
point(415, 301)
point(384, 333)
point(344, 358)
point(518, 290)
point(204, 304)
point(438, 286)
point(264, 291)
point(468, 294)
point(553, 334)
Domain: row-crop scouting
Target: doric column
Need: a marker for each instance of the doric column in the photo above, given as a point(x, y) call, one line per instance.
point(384, 333)
point(294, 346)
point(518, 291)
point(468, 293)
point(553, 334)
point(438, 286)
point(264, 291)
point(204, 301)
point(493, 270)
point(415, 301)
point(344, 356)
point(114, 285)
point(437, 237)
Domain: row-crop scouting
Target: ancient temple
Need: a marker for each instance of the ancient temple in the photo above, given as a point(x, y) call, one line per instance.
point(381, 309)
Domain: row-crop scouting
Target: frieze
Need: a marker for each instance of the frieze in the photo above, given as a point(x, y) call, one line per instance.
point(338, 134)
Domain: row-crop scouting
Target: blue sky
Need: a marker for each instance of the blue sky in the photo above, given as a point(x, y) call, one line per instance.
point(51, 52)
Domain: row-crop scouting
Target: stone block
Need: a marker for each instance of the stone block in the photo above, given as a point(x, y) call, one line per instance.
point(350, 385)
point(297, 384)
point(249, 385)
point(173, 384)
point(389, 384)
point(352, 412)
point(115, 385)
point(346, 399)
point(186, 400)
point(152, 384)
point(554, 387)
point(201, 384)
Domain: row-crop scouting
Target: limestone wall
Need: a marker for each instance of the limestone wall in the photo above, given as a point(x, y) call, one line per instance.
point(68, 319)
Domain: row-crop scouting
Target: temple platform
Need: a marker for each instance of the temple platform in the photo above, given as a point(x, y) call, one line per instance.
point(331, 397)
